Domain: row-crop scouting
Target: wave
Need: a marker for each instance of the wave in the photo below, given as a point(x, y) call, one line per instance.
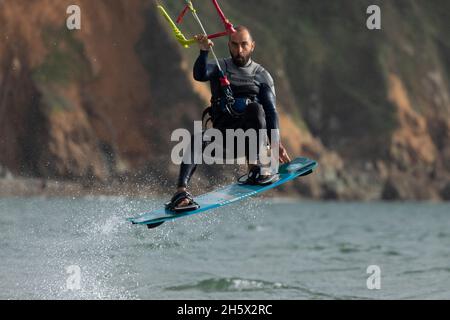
point(218, 285)
point(230, 285)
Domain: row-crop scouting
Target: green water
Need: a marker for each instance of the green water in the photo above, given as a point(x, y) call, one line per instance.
point(258, 249)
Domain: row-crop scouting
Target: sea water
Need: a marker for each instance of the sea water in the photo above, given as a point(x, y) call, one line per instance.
point(83, 248)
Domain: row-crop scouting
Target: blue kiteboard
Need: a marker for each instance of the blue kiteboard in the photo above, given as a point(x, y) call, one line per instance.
point(235, 192)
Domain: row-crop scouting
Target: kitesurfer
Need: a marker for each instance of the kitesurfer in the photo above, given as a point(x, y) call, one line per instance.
point(254, 106)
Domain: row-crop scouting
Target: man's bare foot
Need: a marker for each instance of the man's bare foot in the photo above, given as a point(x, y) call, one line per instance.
point(184, 202)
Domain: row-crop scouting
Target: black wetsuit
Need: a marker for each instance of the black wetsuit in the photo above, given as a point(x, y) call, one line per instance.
point(254, 91)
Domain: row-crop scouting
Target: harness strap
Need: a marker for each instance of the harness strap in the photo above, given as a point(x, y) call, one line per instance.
point(207, 113)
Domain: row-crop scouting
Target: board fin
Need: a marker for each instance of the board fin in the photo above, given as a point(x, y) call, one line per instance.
point(154, 225)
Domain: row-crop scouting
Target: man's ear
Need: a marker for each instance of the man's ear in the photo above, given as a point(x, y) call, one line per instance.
point(253, 45)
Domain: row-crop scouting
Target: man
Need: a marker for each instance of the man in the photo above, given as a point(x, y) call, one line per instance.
point(255, 103)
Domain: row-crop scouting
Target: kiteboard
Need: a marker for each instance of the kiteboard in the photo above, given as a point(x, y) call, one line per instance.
point(229, 194)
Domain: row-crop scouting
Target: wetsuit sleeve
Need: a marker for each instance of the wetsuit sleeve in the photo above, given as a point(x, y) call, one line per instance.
point(267, 98)
point(203, 71)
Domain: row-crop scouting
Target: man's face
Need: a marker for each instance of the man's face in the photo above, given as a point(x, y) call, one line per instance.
point(241, 47)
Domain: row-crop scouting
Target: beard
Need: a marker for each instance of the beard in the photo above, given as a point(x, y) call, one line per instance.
point(240, 60)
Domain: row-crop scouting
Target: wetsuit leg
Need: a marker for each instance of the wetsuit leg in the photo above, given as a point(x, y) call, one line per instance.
point(188, 168)
point(186, 172)
point(254, 118)
point(188, 165)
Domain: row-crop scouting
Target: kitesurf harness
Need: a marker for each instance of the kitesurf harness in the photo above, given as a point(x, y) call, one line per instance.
point(246, 83)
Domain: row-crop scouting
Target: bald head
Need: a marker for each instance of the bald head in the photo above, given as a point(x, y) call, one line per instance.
point(242, 29)
point(241, 46)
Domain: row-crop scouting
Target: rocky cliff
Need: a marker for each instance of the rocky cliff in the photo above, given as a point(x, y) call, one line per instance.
point(97, 106)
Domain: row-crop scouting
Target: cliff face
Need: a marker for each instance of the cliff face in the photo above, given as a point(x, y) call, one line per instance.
point(100, 104)
point(51, 80)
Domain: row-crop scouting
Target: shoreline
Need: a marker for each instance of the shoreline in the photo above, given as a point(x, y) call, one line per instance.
point(34, 187)
point(13, 187)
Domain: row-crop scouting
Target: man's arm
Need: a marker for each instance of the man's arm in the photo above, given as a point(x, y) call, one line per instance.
point(202, 70)
point(268, 100)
